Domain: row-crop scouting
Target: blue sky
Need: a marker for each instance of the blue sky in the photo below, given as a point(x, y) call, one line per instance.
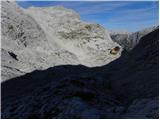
point(113, 15)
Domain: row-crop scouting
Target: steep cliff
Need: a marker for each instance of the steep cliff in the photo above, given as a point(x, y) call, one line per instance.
point(129, 40)
point(45, 37)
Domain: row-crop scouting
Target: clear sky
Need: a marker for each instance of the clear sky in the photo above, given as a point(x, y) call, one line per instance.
point(113, 15)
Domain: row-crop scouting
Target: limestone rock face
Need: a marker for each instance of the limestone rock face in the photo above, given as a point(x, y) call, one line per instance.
point(129, 40)
point(52, 38)
point(89, 42)
point(45, 37)
point(76, 91)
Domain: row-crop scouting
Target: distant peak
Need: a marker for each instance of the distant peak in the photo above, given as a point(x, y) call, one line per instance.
point(119, 32)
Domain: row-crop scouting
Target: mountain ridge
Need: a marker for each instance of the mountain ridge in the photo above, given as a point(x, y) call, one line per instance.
point(129, 40)
point(100, 92)
point(39, 35)
point(55, 66)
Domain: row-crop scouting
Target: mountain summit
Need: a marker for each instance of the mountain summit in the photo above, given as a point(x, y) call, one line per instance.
point(56, 66)
point(45, 37)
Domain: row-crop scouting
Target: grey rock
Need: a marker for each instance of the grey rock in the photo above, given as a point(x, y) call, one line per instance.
point(45, 37)
point(124, 88)
point(129, 40)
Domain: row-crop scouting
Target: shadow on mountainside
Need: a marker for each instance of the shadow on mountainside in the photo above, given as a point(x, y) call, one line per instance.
point(48, 93)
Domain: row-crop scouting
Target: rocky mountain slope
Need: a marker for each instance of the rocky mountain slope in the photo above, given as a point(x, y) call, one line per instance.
point(110, 91)
point(129, 40)
point(39, 38)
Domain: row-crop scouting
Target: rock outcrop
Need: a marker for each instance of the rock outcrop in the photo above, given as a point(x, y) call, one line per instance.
point(45, 37)
point(126, 87)
point(111, 91)
point(141, 66)
point(129, 40)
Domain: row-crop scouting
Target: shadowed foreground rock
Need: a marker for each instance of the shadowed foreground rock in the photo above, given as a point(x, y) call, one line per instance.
point(125, 88)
